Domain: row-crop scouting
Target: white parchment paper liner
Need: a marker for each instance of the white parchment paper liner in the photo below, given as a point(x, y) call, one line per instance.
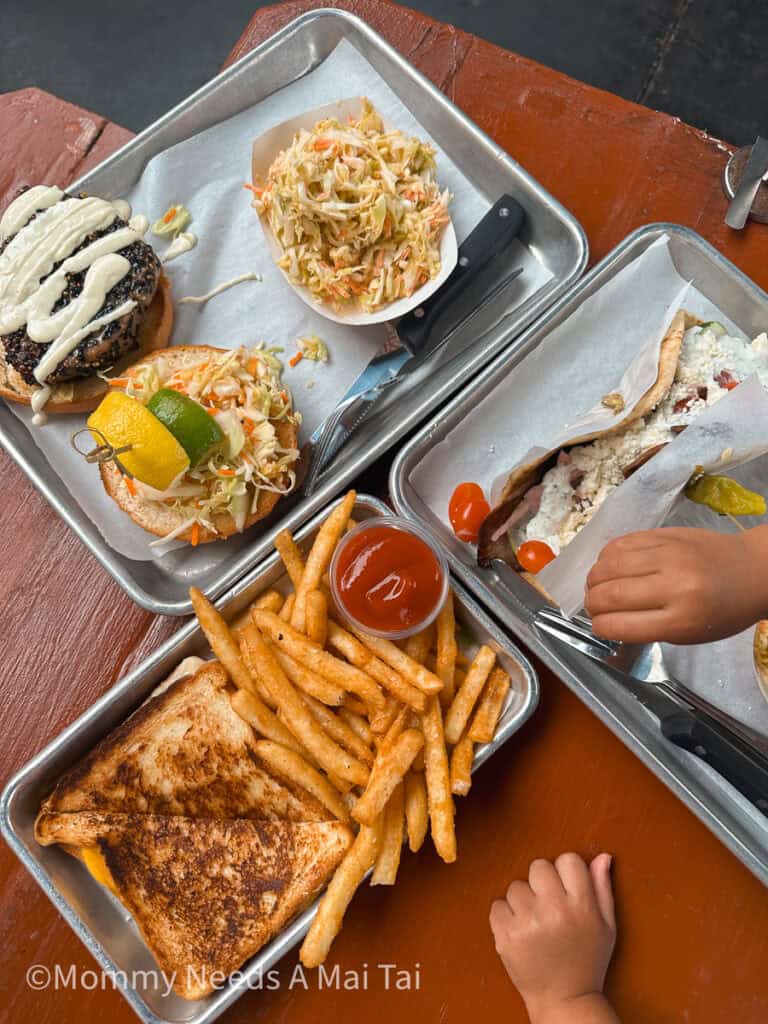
point(207, 172)
point(266, 148)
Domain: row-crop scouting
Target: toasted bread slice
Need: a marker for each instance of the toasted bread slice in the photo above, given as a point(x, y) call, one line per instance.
point(85, 393)
point(206, 895)
point(160, 519)
point(183, 752)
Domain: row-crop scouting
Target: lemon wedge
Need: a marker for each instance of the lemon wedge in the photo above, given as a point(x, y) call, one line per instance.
point(155, 458)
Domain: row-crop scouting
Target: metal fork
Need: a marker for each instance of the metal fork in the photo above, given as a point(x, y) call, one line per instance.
point(643, 664)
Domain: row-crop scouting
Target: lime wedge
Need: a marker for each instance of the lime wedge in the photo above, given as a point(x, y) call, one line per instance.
point(196, 430)
point(155, 456)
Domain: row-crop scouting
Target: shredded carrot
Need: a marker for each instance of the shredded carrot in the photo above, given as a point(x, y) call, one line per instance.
point(118, 382)
point(295, 360)
point(258, 192)
point(323, 144)
point(195, 534)
point(252, 365)
point(248, 426)
point(170, 215)
point(226, 472)
point(130, 485)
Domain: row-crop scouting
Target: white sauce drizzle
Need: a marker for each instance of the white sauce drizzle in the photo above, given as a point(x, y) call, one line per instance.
point(38, 400)
point(139, 223)
point(183, 242)
point(37, 198)
point(61, 225)
point(200, 299)
point(122, 208)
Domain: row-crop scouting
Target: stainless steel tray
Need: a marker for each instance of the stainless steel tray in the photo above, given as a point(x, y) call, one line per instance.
point(100, 921)
point(742, 828)
point(552, 235)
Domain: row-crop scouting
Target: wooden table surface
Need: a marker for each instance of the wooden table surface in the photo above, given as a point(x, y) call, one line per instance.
point(693, 922)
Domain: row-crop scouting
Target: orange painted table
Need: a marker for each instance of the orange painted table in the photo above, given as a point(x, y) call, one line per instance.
point(693, 922)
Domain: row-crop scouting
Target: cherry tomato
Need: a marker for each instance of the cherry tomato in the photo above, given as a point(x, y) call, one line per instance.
point(467, 510)
point(533, 555)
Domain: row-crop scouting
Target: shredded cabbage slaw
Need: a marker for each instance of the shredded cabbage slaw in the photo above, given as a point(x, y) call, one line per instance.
point(242, 390)
point(357, 211)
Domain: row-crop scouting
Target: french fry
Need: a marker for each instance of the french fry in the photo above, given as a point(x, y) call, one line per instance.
point(303, 650)
point(337, 897)
point(317, 617)
point(319, 558)
point(293, 560)
point(388, 769)
point(339, 730)
point(458, 713)
point(416, 817)
point(395, 728)
point(419, 645)
point(287, 609)
point(357, 723)
point(445, 661)
point(260, 718)
point(358, 654)
point(353, 703)
point(483, 726)
point(294, 768)
point(308, 681)
point(461, 766)
point(437, 775)
point(245, 653)
point(223, 644)
point(299, 719)
point(391, 654)
point(271, 600)
point(391, 845)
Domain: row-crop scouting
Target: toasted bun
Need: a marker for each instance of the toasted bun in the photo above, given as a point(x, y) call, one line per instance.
point(160, 519)
point(85, 394)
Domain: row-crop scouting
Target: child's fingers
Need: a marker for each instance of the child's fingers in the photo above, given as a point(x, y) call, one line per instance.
point(600, 870)
point(500, 919)
point(574, 875)
point(519, 897)
point(614, 564)
point(629, 594)
point(632, 627)
point(544, 879)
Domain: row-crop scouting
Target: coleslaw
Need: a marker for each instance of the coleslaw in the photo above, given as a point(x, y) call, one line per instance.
point(357, 211)
point(242, 390)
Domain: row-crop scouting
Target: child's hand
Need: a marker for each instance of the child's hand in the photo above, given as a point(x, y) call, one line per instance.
point(555, 935)
point(681, 585)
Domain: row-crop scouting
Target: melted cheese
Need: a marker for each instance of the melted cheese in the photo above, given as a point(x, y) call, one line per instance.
point(94, 860)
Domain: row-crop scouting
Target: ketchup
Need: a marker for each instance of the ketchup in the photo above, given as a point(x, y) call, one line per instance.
point(387, 579)
point(467, 511)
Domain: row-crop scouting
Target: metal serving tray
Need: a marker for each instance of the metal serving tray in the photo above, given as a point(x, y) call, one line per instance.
point(100, 921)
point(740, 826)
point(552, 234)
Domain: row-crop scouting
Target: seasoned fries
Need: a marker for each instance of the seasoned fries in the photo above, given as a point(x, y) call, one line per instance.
point(409, 669)
point(302, 649)
point(381, 734)
point(317, 617)
point(388, 770)
point(436, 772)
point(445, 661)
point(486, 719)
point(319, 558)
point(464, 701)
point(416, 817)
point(223, 644)
point(391, 844)
point(330, 914)
point(292, 766)
point(461, 766)
point(299, 719)
point(356, 652)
